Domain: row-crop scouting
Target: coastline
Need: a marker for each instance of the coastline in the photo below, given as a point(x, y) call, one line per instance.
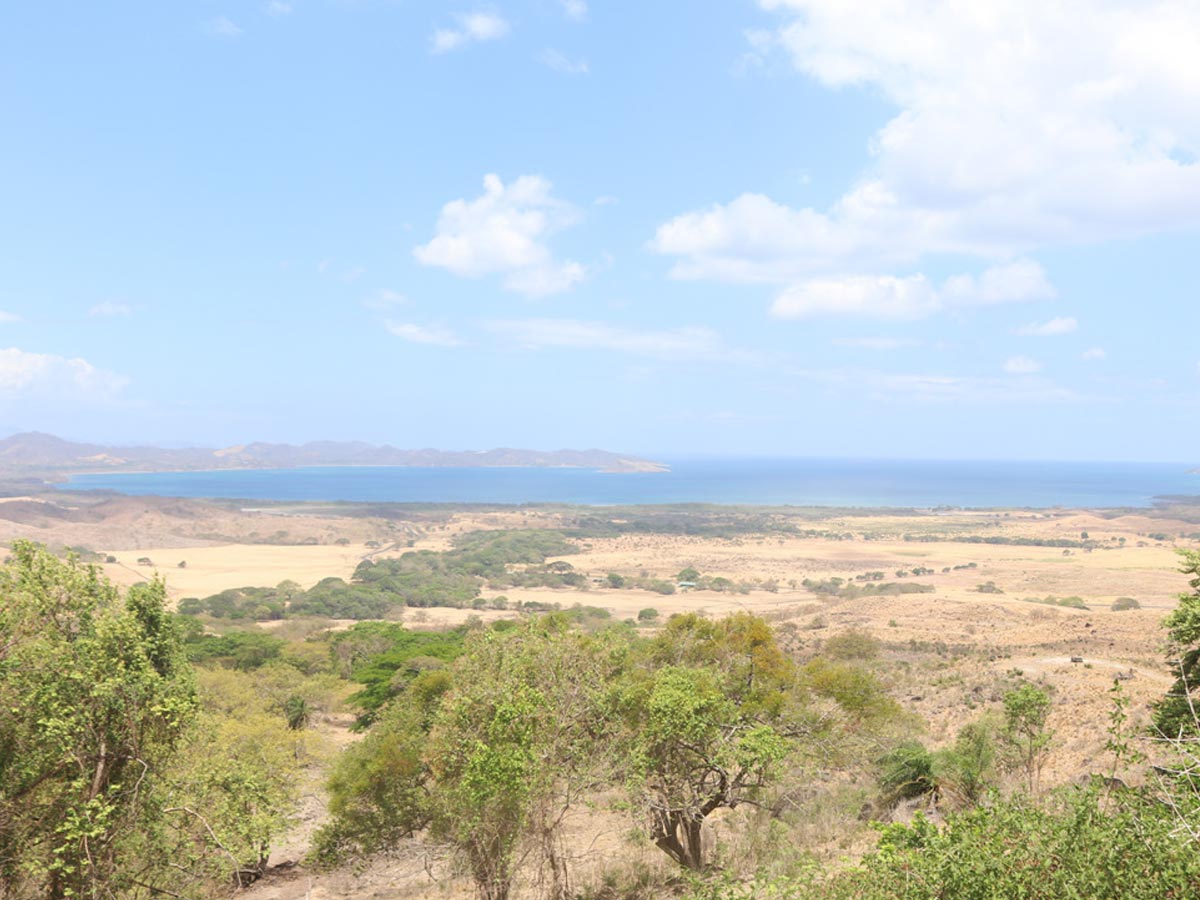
point(752, 483)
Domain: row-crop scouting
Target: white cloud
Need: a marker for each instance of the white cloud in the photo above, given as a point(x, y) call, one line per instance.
point(675, 343)
point(1019, 125)
point(1021, 365)
point(109, 309)
point(1093, 353)
point(911, 297)
point(278, 8)
point(385, 299)
point(54, 376)
point(476, 27)
point(874, 343)
point(1014, 282)
point(560, 63)
point(1052, 328)
point(8, 318)
point(934, 388)
point(872, 296)
point(222, 27)
point(576, 10)
point(504, 231)
point(436, 335)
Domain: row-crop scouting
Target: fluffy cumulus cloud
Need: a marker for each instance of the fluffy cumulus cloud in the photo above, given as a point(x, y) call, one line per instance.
point(222, 27)
point(1019, 125)
point(472, 28)
point(435, 335)
point(911, 297)
point(54, 377)
point(1021, 365)
point(109, 309)
point(559, 62)
point(576, 10)
point(874, 343)
point(504, 232)
point(1052, 328)
point(574, 334)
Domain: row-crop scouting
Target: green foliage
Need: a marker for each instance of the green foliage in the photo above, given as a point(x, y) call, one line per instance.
point(1068, 602)
point(705, 712)
point(1123, 603)
point(966, 770)
point(95, 695)
point(378, 788)
point(243, 650)
point(421, 578)
point(384, 658)
point(296, 712)
point(649, 614)
point(839, 587)
point(1077, 846)
point(491, 764)
point(856, 689)
point(852, 644)
point(1173, 715)
point(235, 779)
point(335, 599)
point(906, 771)
point(1025, 738)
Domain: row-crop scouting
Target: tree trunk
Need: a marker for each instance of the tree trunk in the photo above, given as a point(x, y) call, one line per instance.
point(681, 837)
point(560, 883)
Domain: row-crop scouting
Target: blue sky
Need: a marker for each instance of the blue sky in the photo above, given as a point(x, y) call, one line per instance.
point(786, 227)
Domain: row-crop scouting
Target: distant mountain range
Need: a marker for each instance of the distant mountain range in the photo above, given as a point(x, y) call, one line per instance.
point(37, 453)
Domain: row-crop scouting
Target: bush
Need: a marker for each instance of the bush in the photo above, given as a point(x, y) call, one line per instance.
point(906, 771)
point(852, 644)
point(649, 614)
point(1123, 603)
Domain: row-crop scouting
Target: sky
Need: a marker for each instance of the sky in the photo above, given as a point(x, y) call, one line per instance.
point(809, 228)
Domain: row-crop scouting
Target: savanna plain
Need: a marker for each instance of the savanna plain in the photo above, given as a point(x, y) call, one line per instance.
point(719, 701)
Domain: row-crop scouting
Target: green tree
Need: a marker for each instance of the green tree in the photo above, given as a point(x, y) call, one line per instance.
point(705, 725)
point(967, 769)
point(490, 765)
point(1175, 715)
point(1025, 736)
point(95, 695)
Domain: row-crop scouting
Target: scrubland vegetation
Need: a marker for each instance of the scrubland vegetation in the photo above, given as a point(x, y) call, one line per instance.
point(145, 753)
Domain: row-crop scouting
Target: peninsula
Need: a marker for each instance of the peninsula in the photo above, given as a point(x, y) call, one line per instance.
point(38, 454)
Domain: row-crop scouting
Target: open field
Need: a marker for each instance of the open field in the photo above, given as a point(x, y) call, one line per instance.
point(947, 655)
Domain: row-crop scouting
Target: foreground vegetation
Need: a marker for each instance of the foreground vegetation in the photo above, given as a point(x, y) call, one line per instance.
point(148, 754)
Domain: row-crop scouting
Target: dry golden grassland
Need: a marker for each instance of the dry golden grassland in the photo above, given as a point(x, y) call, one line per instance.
point(946, 656)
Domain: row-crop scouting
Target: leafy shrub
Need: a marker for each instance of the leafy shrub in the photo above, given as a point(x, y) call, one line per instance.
point(852, 644)
point(906, 771)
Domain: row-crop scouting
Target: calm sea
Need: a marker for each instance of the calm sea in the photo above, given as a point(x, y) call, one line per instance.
point(799, 482)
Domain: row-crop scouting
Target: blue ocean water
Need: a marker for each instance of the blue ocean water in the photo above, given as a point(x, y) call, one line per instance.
point(769, 482)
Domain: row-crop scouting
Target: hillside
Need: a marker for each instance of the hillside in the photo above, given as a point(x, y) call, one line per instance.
point(38, 453)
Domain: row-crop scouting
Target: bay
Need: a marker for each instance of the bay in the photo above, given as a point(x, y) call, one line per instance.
point(757, 482)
